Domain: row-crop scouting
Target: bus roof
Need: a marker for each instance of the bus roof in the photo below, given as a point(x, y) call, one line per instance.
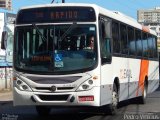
point(99, 10)
point(125, 19)
point(59, 5)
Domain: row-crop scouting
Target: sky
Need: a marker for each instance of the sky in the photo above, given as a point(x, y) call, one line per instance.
point(128, 7)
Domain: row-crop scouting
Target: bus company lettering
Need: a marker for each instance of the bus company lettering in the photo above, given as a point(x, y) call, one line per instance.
point(64, 15)
point(125, 73)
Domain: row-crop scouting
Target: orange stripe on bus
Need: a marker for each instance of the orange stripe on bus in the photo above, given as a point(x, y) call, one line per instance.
point(145, 29)
point(143, 72)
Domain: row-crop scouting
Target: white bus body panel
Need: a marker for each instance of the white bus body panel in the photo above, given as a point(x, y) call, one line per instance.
point(128, 71)
point(153, 76)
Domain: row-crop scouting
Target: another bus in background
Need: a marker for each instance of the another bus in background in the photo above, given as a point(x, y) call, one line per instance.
point(6, 50)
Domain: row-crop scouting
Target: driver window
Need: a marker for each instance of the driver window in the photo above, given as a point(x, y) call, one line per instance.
point(105, 39)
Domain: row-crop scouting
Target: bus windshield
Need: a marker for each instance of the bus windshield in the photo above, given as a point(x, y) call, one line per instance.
point(55, 48)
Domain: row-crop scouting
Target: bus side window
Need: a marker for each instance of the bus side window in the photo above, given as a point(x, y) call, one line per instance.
point(116, 38)
point(124, 42)
point(139, 43)
point(105, 38)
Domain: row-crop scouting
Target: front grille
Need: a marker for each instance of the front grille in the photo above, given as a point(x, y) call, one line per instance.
point(43, 88)
point(54, 80)
point(58, 88)
point(65, 88)
point(54, 97)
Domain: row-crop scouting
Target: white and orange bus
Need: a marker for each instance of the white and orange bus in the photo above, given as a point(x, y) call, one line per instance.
point(55, 65)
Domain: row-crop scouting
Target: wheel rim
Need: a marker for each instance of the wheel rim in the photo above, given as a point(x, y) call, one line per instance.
point(144, 93)
point(114, 99)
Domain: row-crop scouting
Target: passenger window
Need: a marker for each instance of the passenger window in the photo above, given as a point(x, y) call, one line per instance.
point(154, 47)
point(150, 47)
point(138, 43)
point(131, 41)
point(115, 37)
point(105, 41)
point(124, 43)
point(145, 44)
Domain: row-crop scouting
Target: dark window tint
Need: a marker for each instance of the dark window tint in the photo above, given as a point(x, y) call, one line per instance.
point(132, 42)
point(115, 36)
point(138, 43)
point(150, 46)
point(124, 43)
point(155, 46)
point(105, 36)
point(145, 44)
point(41, 48)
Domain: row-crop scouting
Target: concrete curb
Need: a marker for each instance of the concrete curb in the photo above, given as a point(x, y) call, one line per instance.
point(6, 96)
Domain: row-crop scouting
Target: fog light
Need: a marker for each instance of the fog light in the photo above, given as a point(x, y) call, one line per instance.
point(72, 99)
point(24, 87)
point(19, 82)
point(85, 87)
point(90, 82)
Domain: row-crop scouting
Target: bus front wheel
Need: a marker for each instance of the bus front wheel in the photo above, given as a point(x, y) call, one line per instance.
point(114, 104)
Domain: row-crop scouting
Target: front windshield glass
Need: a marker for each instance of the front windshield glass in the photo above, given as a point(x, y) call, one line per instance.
point(56, 48)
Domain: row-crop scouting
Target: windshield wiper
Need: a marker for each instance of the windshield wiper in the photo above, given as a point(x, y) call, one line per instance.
point(38, 31)
point(68, 30)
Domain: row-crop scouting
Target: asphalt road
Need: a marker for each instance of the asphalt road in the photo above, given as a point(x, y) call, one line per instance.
point(129, 110)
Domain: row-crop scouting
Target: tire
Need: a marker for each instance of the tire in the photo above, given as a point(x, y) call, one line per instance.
point(142, 99)
point(113, 107)
point(43, 110)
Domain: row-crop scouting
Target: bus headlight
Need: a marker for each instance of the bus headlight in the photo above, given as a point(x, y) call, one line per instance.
point(86, 85)
point(22, 85)
point(90, 82)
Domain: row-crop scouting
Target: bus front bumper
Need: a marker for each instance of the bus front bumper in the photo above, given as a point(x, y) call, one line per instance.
point(81, 98)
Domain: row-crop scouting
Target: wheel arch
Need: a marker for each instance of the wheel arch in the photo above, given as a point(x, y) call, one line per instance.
point(116, 82)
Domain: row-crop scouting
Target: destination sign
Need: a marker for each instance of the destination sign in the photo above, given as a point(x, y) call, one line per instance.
point(56, 14)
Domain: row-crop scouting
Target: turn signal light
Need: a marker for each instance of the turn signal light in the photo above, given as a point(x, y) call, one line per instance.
point(14, 78)
point(95, 77)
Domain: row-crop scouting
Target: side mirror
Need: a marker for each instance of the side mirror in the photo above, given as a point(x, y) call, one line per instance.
point(4, 40)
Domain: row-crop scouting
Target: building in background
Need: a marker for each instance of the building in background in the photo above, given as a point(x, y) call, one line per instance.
point(6, 4)
point(150, 18)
